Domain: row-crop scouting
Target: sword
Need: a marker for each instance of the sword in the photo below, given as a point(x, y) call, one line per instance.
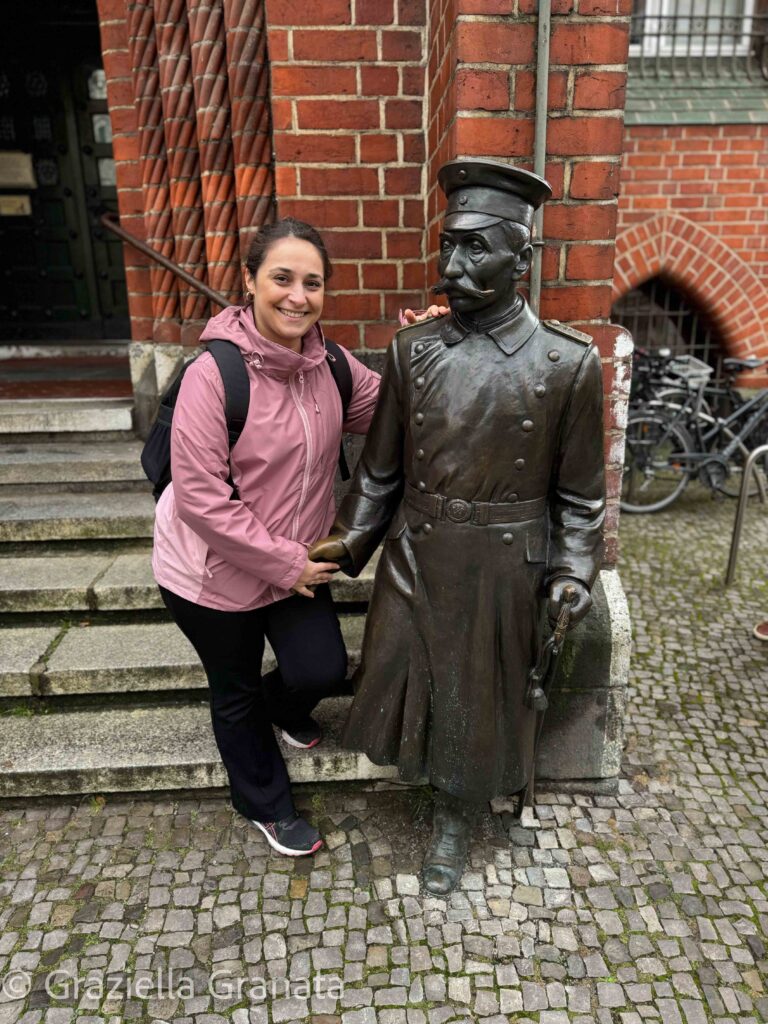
point(537, 694)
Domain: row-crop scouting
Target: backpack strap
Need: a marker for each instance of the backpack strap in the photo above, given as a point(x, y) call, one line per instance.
point(237, 391)
point(237, 388)
point(342, 376)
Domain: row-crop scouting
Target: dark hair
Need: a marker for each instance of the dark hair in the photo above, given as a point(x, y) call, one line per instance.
point(288, 227)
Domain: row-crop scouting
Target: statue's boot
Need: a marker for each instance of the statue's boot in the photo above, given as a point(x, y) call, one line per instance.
point(451, 835)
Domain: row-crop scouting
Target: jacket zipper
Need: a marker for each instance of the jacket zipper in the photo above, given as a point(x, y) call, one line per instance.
point(308, 434)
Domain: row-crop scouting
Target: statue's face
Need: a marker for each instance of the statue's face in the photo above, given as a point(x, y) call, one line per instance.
point(480, 268)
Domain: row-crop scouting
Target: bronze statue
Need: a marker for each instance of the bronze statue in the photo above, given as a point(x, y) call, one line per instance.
point(483, 471)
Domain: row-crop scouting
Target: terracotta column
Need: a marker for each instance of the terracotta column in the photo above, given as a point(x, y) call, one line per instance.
point(217, 173)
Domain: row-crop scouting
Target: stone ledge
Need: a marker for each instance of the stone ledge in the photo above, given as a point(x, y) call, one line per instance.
point(61, 463)
point(76, 517)
point(65, 415)
point(150, 748)
point(91, 660)
point(112, 583)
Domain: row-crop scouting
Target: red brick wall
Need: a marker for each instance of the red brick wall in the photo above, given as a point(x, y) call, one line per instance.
point(358, 138)
point(188, 94)
point(347, 86)
point(693, 208)
point(125, 147)
point(481, 102)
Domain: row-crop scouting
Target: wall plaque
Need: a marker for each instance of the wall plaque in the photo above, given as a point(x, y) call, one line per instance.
point(15, 206)
point(16, 170)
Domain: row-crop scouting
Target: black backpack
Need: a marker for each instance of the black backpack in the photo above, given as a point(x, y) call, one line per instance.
point(156, 453)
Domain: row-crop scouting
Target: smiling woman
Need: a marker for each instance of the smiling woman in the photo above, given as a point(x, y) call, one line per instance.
point(286, 270)
point(233, 527)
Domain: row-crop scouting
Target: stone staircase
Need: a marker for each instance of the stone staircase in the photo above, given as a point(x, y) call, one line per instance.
point(99, 691)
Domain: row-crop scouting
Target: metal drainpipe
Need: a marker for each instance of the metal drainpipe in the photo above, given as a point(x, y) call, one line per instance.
point(540, 141)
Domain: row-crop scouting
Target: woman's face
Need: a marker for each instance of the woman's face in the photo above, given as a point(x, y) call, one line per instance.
point(288, 291)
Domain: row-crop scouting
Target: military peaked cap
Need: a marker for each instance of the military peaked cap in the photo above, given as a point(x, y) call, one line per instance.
point(484, 192)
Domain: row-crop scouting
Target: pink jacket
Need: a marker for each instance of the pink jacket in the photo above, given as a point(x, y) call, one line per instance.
point(239, 555)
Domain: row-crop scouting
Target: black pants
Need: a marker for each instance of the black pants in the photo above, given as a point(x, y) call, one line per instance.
point(312, 664)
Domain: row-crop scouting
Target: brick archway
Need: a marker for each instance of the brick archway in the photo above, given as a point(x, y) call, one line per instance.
point(721, 284)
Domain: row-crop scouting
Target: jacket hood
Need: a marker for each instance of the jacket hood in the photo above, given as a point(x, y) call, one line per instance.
point(236, 324)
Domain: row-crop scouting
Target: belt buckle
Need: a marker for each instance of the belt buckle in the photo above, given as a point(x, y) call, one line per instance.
point(458, 510)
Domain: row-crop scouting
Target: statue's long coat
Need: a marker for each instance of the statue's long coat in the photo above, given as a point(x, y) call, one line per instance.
point(513, 415)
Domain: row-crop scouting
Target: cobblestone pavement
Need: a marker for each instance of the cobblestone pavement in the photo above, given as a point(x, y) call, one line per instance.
point(648, 905)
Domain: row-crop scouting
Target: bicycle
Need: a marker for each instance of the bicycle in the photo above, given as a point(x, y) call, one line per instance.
point(669, 442)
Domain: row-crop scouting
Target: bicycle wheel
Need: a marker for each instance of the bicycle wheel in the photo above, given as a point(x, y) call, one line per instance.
point(727, 480)
point(656, 468)
point(674, 399)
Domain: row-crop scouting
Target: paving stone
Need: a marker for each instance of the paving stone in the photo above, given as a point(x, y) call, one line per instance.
point(644, 904)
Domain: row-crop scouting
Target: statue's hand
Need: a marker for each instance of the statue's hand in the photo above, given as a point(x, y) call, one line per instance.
point(330, 549)
point(580, 604)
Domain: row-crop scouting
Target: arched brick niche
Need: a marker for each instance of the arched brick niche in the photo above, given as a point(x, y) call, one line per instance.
point(725, 287)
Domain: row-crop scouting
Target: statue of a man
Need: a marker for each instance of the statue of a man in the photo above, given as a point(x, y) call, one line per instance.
point(483, 471)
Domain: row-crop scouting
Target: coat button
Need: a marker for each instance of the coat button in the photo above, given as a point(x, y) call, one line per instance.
point(527, 425)
point(419, 382)
point(513, 497)
point(507, 538)
point(419, 347)
point(420, 453)
point(554, 355)
point(427, 528)
point(539, 390)
point(421, 485)
point(419, 417)
point(519, 463)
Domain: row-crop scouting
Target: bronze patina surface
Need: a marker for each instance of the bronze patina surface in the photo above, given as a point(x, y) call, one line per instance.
point(483, 472)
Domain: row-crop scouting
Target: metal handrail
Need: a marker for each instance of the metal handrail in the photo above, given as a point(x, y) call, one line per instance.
point(111, 223)
point(741, 508)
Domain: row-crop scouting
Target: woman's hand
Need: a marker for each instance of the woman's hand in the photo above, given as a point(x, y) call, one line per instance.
point(314, 573)
point(411, 316)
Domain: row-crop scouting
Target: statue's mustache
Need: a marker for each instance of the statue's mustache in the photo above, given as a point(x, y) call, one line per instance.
point(445, 287)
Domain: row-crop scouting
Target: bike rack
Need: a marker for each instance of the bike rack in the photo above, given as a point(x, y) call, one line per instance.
point(741, 508)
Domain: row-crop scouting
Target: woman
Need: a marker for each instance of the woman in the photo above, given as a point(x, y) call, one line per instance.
point(234, 570)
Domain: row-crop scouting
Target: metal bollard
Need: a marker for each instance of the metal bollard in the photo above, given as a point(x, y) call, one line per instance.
point(741, 508)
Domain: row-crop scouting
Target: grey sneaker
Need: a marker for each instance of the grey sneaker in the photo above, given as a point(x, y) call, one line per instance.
point(291, 836)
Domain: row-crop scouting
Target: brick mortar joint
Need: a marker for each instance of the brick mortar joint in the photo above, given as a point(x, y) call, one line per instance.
point(580, 114)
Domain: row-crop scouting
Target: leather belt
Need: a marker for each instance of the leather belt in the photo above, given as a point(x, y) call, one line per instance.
point(480, 513)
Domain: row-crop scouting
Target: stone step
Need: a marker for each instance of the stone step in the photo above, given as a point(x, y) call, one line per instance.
point(65, 416)
point(149, 657)
point(58, 465)
point(110, 583)
point(64, 517)
point(146, 748)
point(74, 348)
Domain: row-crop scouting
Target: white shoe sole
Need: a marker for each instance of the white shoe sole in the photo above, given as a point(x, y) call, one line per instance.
point(295, 743)
point(284, 849)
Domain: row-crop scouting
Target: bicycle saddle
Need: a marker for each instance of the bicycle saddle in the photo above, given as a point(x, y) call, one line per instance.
point(743, 364)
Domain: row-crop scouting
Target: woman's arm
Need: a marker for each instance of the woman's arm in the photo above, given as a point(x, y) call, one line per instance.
point(200, 468)
point(377, 486)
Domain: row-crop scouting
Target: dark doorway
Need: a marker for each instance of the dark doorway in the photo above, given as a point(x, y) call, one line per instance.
point(61, 276)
